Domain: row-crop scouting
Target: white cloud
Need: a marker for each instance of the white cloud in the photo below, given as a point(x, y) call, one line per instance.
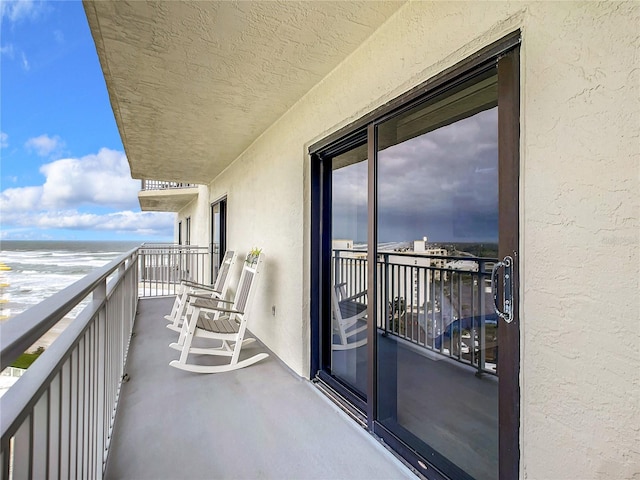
point(25, 62)
point(102, 180)
point(7, 50)
point(125, 222)
point(21, 199)
point(16, 10)
point(4, 140)
point(44, 145)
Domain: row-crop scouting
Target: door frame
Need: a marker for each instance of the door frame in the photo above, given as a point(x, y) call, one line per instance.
point(321, 263)
point(508, 224)
point(223, 234)
point(505, 55)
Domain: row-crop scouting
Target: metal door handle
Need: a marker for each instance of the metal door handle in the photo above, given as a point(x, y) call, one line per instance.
point(507, 289)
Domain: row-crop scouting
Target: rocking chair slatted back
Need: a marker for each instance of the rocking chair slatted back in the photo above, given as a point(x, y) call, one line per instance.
point(223, 273)
point(243, 290)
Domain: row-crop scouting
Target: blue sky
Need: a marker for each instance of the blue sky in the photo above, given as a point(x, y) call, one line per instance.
point(63, 172)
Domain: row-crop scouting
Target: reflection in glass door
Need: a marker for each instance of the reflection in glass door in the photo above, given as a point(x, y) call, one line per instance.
point(437, 230)
point(348, 285)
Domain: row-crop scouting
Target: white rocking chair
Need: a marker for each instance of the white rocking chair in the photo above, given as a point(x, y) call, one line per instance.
point(229, 328)
point(218, 291)
point(347, 313)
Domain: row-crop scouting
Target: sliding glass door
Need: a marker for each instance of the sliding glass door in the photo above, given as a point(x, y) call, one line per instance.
point(437, 230)
point(349, 269)
point(344, 321)
point(415, 280)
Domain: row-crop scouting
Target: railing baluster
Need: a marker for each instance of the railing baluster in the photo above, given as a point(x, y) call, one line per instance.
point(73, 417)
point(482, 341)
point(100, 379)
point(460, 314)
point(452, 316)
point(39, 440)
point(433, 309)
point(55, 416)
point(23, 450)
point(65, 420)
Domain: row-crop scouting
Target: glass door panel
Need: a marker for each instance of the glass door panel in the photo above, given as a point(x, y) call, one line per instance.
point(437, 230)
point(217, 248)
point(348, 289)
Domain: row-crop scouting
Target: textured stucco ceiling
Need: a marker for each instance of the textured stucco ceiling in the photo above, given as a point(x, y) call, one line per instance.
point(192, 84)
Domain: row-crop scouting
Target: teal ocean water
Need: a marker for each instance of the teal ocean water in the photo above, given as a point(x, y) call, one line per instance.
point(41, 268)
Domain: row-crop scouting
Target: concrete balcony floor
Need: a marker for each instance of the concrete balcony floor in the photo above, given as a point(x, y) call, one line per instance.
point(260, 422)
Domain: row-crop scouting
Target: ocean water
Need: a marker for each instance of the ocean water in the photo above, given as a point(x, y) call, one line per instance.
point(41, 268)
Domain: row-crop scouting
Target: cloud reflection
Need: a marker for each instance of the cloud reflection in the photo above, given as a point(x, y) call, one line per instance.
point(442, 184)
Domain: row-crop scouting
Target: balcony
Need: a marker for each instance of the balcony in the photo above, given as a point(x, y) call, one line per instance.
point(162, 196)
point(262, 421)
point(102, 401)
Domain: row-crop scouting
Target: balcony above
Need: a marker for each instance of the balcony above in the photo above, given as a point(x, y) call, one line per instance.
point(160, 196)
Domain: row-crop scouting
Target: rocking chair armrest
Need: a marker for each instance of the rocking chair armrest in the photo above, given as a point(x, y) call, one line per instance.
point(215, 309)
point(357, 295)
point(204, 297)
point(199, 285)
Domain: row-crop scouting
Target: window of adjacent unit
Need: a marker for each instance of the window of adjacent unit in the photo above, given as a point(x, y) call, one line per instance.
point(411, 210)
point(187, 233)
point(179, 233)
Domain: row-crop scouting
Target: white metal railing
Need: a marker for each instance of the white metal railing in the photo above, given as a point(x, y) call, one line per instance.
point(57, 419)
point(164, 266)
point(162, 185)
point(439, 303)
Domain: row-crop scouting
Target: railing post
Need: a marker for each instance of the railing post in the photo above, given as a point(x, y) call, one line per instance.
point(385, 266)
point(482, 354)
point(101, 347)
point(100, 292)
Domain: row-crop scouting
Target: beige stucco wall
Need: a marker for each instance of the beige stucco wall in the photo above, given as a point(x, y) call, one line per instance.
point(194, 209)
point(580, 220)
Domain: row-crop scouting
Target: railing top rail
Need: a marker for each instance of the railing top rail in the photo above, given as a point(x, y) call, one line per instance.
point(23, 330)
point(170, 246)
point(164, 185)
point(420, 255)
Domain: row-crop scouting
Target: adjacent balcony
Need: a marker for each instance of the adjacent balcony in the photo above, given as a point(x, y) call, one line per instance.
point(162, 196)
point(103, 402)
